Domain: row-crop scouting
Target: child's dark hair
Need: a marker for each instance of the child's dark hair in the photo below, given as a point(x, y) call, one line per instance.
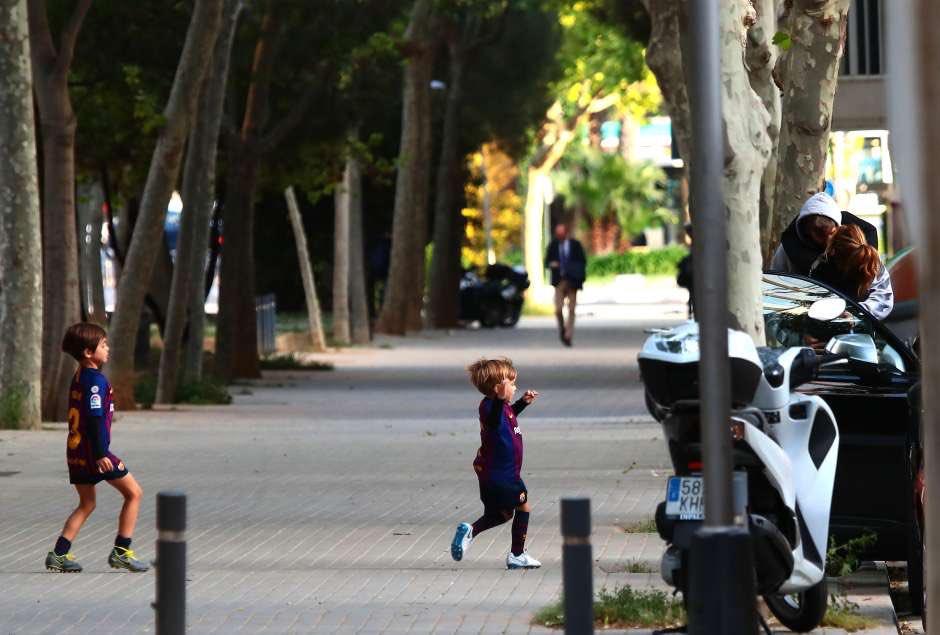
point(81, 337)
point(486, 374)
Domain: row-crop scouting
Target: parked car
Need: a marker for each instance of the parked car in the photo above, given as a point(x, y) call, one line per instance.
point(879, 478)
point(496, 299)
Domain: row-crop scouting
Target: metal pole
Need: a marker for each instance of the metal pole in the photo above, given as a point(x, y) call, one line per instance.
point(170, 604)
point(710, 269)
point(722, 596)
point(577, 575)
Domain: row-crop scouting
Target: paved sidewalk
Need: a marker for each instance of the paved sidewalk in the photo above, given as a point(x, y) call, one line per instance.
point(325, 502)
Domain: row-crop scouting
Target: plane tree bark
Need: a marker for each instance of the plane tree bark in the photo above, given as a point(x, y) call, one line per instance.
point(187, 298)
point(747, 151)
point(236, 352)
point(808, 75)
point(21, 300)
point(51, 65)
point(401, 310)
point(161, 179)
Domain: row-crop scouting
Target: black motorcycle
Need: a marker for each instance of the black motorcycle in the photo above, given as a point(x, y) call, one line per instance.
point(495, 299)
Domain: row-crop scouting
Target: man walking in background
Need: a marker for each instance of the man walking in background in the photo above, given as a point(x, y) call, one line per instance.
point(567, 263)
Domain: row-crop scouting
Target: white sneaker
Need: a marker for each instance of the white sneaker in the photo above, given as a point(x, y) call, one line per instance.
point(462, 538)
point(522, 561)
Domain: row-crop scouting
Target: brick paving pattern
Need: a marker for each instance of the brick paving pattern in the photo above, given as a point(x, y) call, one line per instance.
point(325, 502)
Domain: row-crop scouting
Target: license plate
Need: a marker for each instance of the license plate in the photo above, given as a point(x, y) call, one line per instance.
point(685, 497)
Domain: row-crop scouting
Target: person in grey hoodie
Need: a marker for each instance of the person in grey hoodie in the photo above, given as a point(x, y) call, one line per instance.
point(804, 242)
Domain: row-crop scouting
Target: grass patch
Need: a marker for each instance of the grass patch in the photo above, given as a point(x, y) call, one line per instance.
point(844, 559)
point(647, 526)
point(145, 390)
point(208, 391)
point(204, 393)
point(638, 566)
point(291, 362)
point(844, 614)
point(623, 608)
point(662, 261)
point(12, 405)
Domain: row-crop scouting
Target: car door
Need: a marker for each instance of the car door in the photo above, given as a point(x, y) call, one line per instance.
point(878, 428)
point(877, 431)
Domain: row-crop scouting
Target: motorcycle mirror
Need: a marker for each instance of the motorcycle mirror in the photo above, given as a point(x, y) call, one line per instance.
point(827, 309)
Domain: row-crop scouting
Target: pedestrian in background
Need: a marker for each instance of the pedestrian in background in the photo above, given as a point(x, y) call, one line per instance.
point(568, 265)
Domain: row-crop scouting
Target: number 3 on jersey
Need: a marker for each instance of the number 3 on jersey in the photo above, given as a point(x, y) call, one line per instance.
point(75, 437)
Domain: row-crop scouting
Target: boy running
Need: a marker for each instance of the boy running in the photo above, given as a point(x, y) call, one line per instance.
point(499, 462)
point(88, 455)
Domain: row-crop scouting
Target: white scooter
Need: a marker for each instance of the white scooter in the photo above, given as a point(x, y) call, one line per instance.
point(785, 447)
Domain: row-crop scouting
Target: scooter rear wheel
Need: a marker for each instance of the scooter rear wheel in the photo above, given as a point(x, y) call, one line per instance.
point(801, 612)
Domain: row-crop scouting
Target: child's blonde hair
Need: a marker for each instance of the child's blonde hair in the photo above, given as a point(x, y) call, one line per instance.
point(486, 374)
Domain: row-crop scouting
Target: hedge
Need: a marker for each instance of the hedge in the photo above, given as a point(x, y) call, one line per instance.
point(663, 261)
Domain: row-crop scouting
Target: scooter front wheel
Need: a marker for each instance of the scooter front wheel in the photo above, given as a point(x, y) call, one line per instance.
point(803, 611)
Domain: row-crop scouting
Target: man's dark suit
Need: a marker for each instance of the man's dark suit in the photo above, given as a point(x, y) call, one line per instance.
point(573, 269)
point(567, 278)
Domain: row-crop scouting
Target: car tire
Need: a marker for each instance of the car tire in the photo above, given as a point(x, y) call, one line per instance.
point(916, 563)
point(511, 318)
point(491, 314)
point(801, 612)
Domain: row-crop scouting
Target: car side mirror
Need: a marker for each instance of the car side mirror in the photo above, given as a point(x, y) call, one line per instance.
point(862, 355)
point(856, 347)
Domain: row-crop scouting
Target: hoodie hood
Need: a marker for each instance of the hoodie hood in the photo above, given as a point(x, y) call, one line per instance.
point(820, 204)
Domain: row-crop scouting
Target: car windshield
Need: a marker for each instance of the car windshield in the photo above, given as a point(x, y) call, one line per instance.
point(787, 301)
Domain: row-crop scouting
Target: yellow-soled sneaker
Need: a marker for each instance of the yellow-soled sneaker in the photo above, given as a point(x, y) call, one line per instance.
point(66, 563)
point(122, 558)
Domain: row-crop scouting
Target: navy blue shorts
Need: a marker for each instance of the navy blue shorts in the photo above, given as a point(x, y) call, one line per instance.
point(503, 496)
point(80, 476)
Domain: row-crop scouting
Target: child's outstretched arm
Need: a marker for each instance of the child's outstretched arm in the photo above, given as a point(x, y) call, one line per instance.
point(524, 400)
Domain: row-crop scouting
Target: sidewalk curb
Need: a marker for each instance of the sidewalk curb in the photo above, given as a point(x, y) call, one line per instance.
point(870, 589)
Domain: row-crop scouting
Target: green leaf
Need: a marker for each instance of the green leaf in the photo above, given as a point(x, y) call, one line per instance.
point(783, 40)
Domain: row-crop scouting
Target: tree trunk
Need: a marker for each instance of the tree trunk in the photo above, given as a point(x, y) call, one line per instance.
point(747, 149)
point(664, 57)
point(21, 299)
point(358, 301)
point(341, 261)
point(534, 226)
point(186, 292)
point(557, 133)
point(916, 69)
point(61, 289)
point(207, 133)
point(761, 58)
point(236, 349)
point(401, 310)
point(90, 220)
point(810, 75)
point(445, 259)
point(306, 273)
point(161, 179)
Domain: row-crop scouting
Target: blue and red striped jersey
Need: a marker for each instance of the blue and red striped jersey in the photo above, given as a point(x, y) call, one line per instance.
point(499, 459)
point(91, 408)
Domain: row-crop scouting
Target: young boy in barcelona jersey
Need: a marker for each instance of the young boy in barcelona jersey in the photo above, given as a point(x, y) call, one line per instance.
point(498, 463)
point(88, 453)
